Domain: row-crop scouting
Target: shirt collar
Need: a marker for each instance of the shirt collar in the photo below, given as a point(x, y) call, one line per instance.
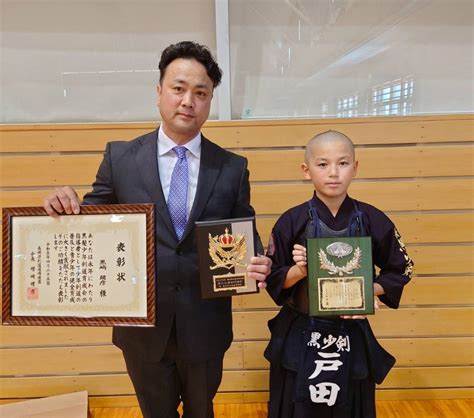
point(166, 144)
point(346, 209)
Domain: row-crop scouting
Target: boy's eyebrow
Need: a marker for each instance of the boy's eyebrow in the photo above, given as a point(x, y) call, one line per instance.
point(339, 158)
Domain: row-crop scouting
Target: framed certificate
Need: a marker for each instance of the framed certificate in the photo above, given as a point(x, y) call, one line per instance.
point(225, 249)
point(340, 276)
point(92, 269)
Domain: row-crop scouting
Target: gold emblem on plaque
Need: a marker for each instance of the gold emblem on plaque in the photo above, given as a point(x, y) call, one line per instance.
point(339, 250)
point(226, 250)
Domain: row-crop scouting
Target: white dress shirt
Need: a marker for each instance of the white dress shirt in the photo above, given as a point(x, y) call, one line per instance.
point(167, 159)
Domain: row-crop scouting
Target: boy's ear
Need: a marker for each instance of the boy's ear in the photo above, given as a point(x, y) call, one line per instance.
point(356, 165)
point(305, 169)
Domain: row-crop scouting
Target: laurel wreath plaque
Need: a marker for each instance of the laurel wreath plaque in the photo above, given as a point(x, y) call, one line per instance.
point(340, 280)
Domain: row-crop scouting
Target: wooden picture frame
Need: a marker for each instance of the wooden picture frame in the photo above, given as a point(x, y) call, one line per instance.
point(96, 268)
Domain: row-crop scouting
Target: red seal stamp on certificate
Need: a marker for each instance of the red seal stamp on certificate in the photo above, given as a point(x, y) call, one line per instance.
point(32, 293)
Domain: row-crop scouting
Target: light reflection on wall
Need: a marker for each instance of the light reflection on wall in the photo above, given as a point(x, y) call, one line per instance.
point(305, 58)
point(96, 60)
point(91, 60)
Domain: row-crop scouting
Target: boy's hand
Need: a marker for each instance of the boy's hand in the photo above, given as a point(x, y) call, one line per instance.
point(299, 257)
point(298, 271)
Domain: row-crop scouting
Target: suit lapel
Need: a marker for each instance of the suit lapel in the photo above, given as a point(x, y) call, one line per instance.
point(147, 162)
point(209, 169)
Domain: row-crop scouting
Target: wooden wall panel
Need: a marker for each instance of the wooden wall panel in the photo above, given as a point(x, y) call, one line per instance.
point(252, 325)
point(417, 169)
point(245, 134)
point(34, 197)
point(262, 396)
point(67, 360)
point(274, 199)
point(432, 377)
point(404, 322)
point(445, 290)
point(421, 291)
point(87, 359)
point(274, 165)
point(414, 227)
point(456, 351)
point(42, 170)
point(232, 381)
point(414, 161)
point(442, 259)
point(69, 138)
point(34, 387)
point(18, 337)
point(425, 393)
point(406, 195)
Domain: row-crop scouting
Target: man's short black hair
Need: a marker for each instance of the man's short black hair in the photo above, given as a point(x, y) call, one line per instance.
point(191, 50)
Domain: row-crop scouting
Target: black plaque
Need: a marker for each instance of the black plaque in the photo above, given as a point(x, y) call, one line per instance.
point(225, 248)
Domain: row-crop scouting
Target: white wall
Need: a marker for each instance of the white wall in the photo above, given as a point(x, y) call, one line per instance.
point(91, 60)
point(291, 57)
point(96, 60)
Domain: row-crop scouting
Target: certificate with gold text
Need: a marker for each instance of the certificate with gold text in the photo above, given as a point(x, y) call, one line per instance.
point(91, 269)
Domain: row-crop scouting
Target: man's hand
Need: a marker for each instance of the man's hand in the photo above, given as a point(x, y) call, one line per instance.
point(259, 269)
point(62, 200)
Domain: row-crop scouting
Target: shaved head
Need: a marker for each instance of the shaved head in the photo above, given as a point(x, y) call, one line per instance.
point(325, 138)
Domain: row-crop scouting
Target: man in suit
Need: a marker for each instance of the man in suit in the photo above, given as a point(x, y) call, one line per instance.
point(180, 359)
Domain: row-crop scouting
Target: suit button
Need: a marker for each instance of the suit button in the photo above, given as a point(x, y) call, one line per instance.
point(179, 252)
point(178, 288)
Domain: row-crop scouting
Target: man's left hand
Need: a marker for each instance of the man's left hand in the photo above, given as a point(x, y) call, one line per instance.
point(259, 269)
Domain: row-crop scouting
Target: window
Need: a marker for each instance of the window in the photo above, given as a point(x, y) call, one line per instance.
point(347, 107)
point(393, 97)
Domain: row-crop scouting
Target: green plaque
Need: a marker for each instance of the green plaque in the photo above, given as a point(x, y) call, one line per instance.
point(340, 276)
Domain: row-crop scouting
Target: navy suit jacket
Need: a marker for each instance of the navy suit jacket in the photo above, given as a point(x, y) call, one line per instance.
point(129, 174)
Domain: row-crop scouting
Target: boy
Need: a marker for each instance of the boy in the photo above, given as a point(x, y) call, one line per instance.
point(305, 379)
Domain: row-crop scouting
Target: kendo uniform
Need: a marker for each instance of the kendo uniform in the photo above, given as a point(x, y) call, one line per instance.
point(361, 361)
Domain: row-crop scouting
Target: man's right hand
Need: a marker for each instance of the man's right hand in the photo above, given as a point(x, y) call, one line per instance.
point(62, 200)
